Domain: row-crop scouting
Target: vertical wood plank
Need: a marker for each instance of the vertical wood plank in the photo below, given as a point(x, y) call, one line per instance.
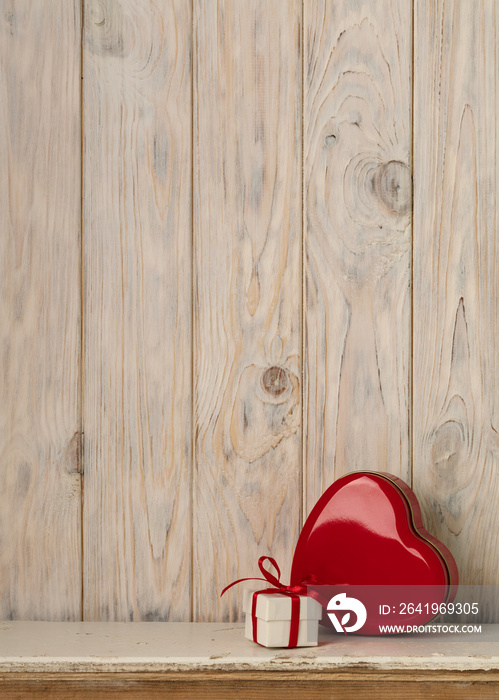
point(247, 237)
point(40, 299)
point(357, 198)
point(456, 280)
point(137, 343)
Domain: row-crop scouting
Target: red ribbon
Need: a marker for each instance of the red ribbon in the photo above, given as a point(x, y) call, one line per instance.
point(293, 592)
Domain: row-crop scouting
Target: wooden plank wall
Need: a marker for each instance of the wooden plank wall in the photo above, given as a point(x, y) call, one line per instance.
point(284, 269)
point(357, 239)
point(40, 295)
point(456, 280)
point(137, 310)
point(247, 299)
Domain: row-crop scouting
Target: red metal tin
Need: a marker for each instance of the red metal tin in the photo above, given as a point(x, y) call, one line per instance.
point(367, 530)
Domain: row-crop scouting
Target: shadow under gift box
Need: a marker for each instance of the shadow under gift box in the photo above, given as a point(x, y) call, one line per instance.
point(366, 531)
point(273, 619)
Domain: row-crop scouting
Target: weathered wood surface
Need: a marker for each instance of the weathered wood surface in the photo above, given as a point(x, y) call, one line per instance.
point(137, 259)
point(144, 660)
point(40, 553)
point(357, 244)
point(247, 238)
point(248, 686)
point(289, 197)
point(456, 280)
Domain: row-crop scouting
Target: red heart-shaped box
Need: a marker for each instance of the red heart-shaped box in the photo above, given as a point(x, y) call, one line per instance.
point(365, 537)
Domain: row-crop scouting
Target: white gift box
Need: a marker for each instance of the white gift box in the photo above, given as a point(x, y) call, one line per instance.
point(273, 612)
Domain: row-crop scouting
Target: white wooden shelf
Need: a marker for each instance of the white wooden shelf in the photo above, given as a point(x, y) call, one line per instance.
point(40, 655)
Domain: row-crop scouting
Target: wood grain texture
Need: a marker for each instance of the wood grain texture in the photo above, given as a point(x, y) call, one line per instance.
point(40, 292)
point(456, 280)
point(357, 199)
point(157, 397)
point(247, 236)
point(407, 685)
point(137, 256)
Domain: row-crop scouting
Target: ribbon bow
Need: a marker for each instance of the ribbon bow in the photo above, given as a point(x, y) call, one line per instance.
point(293, 592)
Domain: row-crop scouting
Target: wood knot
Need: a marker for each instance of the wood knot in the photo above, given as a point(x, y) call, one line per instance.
point(378, 200)
point(266, 410)
point(10, 18)
point(106, 29)
point(448, 446)
point(392, 184)
point(275, 381)
point(329, 140)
